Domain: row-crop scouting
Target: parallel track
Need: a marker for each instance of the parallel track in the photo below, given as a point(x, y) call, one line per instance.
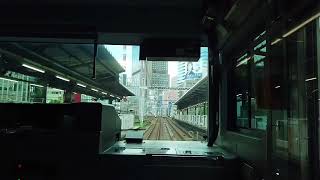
point(159, 132)
point(155, 131)
point(149, 131)
point(171, 135)
point(183, 131)
point(179, 135)
point(166, 129)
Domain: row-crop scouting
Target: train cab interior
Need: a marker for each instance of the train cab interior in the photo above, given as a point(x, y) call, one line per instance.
point(163, 89)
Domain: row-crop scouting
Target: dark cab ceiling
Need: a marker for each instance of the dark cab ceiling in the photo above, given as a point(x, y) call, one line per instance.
point(130, 21)
point(115, 21)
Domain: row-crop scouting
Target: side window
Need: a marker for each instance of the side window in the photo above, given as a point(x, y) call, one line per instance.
point(258, 86)
point(250, 85)
point(242, 91)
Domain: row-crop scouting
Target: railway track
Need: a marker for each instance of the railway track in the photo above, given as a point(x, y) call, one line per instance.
point(183, 130)
point(153, 132)
point(169, 132)
point(159, 132)
point(195, 134)
point(148, 132)
point(180, 135)
point(166, 129)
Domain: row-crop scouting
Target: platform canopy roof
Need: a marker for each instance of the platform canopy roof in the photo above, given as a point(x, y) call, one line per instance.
point(197, 94)
point(71, 61)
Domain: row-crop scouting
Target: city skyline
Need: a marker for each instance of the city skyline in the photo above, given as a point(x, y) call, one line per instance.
point(117, 52)
point(128, 57)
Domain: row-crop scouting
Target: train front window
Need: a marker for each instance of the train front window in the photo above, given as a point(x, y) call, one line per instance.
point(170, 97)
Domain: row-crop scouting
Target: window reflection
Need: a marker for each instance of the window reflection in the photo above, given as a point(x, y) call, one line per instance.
point(279, 84)
point(250, 87)
point(242, 93)
point(258, 108)
point(294, 94)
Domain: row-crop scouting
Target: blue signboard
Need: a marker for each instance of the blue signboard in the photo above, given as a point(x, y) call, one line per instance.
point(193, 71)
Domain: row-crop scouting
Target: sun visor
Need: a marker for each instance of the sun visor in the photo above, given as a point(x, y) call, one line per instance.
point(170, 50)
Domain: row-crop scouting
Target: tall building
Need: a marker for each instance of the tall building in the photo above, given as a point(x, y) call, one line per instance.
point(136, 71)
point(173, 81)
point(126, 56)
point(158, 74)
point(182, 69)
point(136, 65)
point(204, 60)
point(157, 77)
point(136, 82)
point(189, 73)
point(123, 55)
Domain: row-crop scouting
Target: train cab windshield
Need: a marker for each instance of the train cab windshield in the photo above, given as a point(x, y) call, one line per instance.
point(170, 101)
